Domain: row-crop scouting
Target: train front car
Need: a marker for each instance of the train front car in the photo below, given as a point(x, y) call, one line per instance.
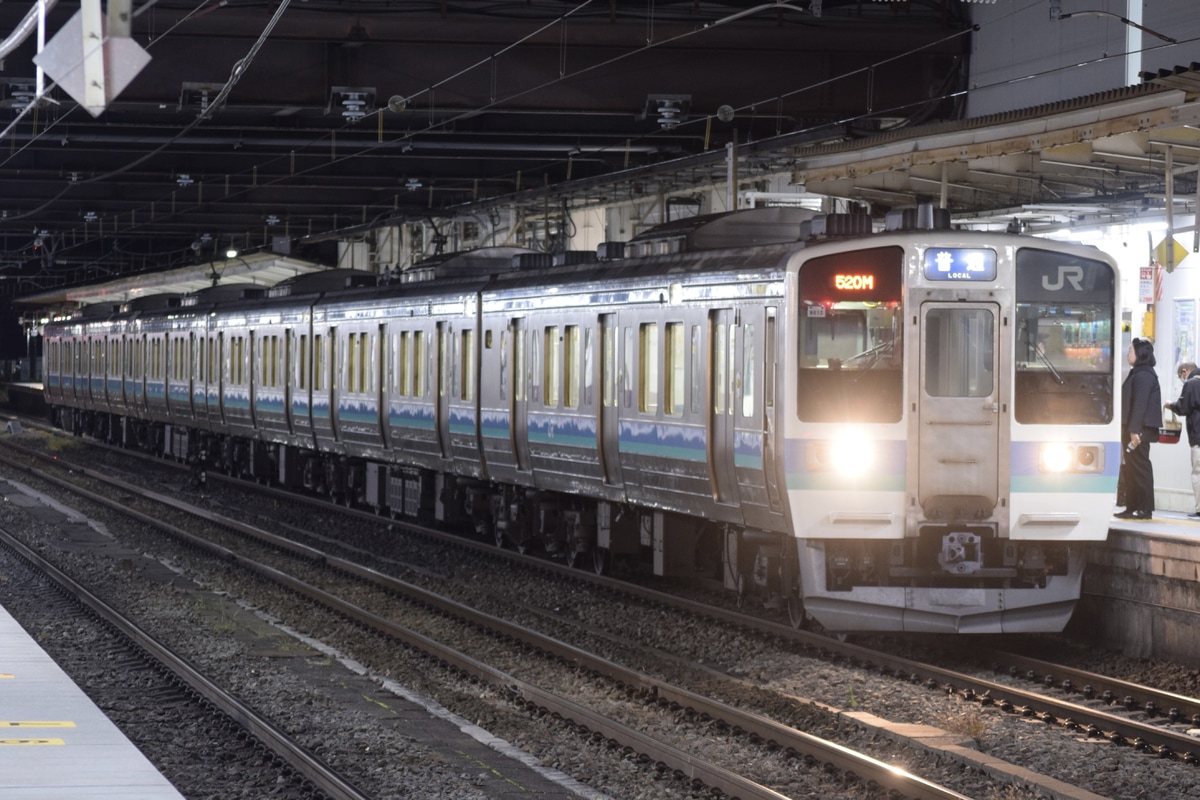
point(954, 438)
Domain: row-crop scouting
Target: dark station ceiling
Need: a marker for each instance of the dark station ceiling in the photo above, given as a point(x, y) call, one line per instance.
point(280, 125)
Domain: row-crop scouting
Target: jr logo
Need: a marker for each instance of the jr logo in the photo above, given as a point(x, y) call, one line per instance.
point(1073, 275)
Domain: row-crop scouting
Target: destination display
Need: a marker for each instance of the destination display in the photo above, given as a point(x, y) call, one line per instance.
point(960, 264)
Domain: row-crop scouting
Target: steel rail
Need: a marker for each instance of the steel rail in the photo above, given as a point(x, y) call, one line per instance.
point(278, 742)
point(1131, 696)
point(732, 784)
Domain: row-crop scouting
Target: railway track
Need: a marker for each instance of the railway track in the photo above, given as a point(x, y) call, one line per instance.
point(139, 651)
point(1088, 719)
point(648, 692)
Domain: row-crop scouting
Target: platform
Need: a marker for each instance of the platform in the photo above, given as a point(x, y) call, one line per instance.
point(25, 398)
point(55, 744)
point(1141, 589)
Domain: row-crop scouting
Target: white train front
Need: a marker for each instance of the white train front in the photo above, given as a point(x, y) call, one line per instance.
point(913, 430)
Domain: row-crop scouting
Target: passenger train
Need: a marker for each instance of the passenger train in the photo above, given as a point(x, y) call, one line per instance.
point(906, 429)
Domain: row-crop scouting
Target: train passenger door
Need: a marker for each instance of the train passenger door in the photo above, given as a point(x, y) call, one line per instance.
point(385, 375)
point(519, 381)
point(444, 369)
point(959, 436)
point(770, 456)
point(289, 383)
point(724, 361)
point(609, 428)
point(337, 366)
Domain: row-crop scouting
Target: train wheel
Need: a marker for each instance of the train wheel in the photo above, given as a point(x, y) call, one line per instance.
point(743, 586)
point(796, 613)
point(575, 554)
point(601, 560)
point(498, 533)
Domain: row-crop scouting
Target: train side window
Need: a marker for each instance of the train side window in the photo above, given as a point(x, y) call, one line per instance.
point(571, 366)
point(214, 358)
point(363, 356)
point(417, 364)
point(748, 376)
point(608, 363)
point(319, 358)
point(648, 368)
point(264, 349)
point(503, 362)
point(467, 366)
point(550, 374)
point(354, 362)
point(391, 359)
point(720, 369)
point(519, 382)
point(238, 351)
point(301, 362)
point(589, 374)
point(697, 346)
point(627, 367)
point(404, 364)
point(674, 368)
point(769, 361)
point(381, 365)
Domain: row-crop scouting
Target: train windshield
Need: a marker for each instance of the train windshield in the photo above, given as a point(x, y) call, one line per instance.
point(1064, 339)
point(851, 347)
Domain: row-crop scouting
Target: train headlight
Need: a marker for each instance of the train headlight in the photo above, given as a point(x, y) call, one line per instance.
point(852, 455)
point(1056, 457)
point(847, 455)
point(1059, 457)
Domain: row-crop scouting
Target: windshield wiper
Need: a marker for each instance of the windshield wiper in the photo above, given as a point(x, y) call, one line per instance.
point(1057, 375)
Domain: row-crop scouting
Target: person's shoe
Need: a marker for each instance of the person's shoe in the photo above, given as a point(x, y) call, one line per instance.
point(1143, 515)
point(1126, 514)
point(1194, 515)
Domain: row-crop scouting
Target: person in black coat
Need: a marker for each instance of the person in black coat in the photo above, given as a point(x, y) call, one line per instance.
point(1188, 407)
point(1141, 417)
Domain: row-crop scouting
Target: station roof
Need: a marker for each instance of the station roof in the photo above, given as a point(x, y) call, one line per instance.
point(254, 123)
point(262, 269)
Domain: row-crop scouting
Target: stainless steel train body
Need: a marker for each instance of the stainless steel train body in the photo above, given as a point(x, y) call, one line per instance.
point(906, 431)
